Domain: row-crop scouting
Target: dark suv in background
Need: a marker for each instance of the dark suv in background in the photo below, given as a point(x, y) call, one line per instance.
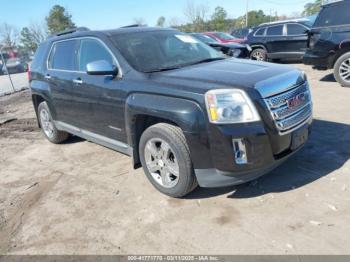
point(279, 40)
point(181, 110)
point(329, 41)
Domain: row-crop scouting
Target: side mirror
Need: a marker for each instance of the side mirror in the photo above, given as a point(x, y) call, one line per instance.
point(101, 67)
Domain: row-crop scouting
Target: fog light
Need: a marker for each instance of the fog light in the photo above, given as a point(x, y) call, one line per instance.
point(240, 151)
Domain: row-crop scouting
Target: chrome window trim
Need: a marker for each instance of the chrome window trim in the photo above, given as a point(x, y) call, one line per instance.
point(120, 72)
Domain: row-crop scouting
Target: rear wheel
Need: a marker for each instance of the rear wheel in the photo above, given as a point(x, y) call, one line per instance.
point(48, 127)
point(166, 160)
point(259, 54)
point(342, 70)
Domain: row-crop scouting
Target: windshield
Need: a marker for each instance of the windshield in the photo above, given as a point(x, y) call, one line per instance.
point(204, 38)
point(225, 36)
point(161, 50)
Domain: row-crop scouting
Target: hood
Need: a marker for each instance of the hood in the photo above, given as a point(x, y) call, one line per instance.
point(267, 78)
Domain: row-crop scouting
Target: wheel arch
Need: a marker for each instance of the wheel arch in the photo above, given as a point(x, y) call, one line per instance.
point(145, 110)
point(344, 47)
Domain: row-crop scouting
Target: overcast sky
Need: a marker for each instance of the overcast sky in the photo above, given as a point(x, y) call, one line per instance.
point(105, 14)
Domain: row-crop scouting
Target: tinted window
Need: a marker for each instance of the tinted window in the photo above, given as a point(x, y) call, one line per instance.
point(92, 50)
point(63, 55)
point(275, 30)
point(295, 29)
point(260, 32)
point(334, 15)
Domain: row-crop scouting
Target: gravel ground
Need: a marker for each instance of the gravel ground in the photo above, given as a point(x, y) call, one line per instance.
point(81, 198)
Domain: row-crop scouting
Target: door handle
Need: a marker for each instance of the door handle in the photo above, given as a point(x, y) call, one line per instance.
point(47, 76)
point(78, 81)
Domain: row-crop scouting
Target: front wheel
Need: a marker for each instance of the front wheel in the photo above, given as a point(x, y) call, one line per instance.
point(259, 54)
point(342, 70)
point(166, 161)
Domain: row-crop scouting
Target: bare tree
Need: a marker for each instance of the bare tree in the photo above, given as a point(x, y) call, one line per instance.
point(174, 22)
point(38, 31)
point(8, 35)
point(196, 14)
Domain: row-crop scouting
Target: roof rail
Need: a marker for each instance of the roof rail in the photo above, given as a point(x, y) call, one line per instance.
point(134, 25)
point(72, 30)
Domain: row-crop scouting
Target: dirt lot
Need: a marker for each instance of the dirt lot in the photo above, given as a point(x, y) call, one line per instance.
point(81, 198)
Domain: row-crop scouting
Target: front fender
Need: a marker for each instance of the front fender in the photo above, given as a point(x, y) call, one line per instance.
point(186, 114)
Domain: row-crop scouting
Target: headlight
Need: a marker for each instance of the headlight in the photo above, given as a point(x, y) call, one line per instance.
point(229, 106)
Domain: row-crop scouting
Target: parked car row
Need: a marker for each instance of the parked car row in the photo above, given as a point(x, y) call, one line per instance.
point(329, 41)
point(229, 49)
point(13, 66)
point(324, 43)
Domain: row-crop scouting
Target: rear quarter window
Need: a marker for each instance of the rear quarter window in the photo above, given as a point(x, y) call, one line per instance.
point(334, 15)
point(39, 58)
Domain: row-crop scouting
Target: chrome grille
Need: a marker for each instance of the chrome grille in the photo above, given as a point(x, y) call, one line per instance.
point(288, 117)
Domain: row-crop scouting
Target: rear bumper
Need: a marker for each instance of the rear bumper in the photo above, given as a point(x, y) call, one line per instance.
point(318, 61)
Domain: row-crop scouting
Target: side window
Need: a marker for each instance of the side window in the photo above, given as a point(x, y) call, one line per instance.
point(92, 50)
point(295, 29)
point(260, 32)
point(39, 57)
point(63, 55)
point(333, 15)
point(275, 30)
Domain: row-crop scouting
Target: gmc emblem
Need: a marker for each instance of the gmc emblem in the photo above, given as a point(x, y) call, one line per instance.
point(296, 101)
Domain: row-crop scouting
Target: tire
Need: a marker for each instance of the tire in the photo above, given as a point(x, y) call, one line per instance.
point(166, 150)
point(259, 54)
point(48, 127)
point(342, 70)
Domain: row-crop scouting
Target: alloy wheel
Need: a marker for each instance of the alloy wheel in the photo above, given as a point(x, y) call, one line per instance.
point(161, 162)
point(46, 123)
point(344, 70)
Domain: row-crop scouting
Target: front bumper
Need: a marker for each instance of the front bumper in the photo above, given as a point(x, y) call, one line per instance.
point(261, 151)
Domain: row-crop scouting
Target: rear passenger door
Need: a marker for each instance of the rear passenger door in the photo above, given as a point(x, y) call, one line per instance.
point(61, 70)
point(296, 40)
point(275, 39)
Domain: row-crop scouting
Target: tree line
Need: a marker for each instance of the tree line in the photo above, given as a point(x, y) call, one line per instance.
point(199, 19)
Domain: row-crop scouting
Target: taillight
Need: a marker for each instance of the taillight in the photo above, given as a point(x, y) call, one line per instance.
point(313, 40)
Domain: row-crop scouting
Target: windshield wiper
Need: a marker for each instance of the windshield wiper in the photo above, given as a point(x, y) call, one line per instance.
point(162, 69)
point(207, 60)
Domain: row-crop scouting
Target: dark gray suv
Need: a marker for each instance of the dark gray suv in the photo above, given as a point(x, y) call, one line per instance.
point(184, 112)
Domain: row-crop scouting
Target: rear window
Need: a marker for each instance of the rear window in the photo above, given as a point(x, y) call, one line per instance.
point(275, 30)
point(334, 15)
point(63, 55)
